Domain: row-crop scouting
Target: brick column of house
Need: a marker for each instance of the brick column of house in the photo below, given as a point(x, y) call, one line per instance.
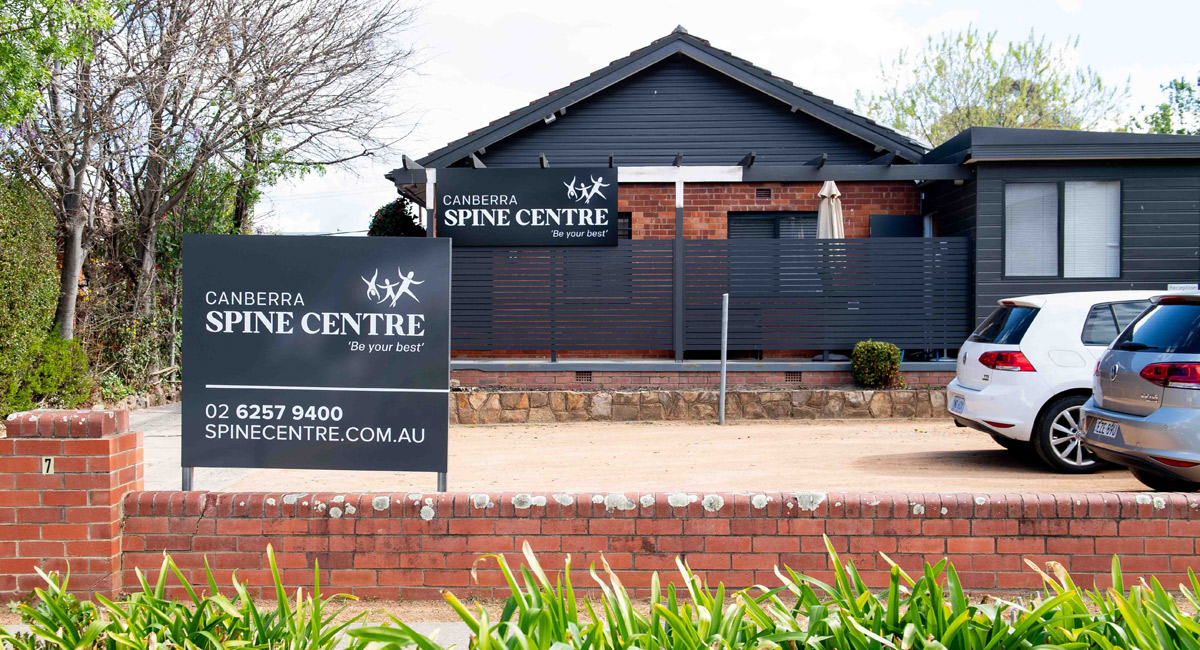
point(62, 478)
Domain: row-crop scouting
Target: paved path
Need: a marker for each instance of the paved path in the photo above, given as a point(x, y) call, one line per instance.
point(870, 455)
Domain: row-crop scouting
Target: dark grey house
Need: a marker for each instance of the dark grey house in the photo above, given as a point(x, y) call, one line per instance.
point(719, 164)
point(1051, 211)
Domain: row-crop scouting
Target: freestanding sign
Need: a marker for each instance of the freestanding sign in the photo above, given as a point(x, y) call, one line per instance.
point(316, 352)
point(528, 207)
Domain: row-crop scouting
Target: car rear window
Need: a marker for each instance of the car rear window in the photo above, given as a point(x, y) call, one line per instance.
point(1106, 320)
point(1173, 328)
point(1005, 326)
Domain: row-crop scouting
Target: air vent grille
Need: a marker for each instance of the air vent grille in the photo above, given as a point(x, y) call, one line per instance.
point(762, 193)
point(793, 376)
point(583, 375)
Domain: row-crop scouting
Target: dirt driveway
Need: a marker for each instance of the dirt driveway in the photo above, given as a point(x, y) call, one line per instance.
point(891, 455)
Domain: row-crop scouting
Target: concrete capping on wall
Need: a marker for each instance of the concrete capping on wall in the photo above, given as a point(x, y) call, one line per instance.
point(662, 365)
point(536, 406)
point(414, 545)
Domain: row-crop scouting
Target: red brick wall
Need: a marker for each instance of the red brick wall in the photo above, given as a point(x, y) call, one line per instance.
point(602, 380)
point(705, 205)
point(76, 511)
point(413, 546)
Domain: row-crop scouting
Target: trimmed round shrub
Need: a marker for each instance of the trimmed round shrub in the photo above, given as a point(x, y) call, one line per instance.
point(876, 364)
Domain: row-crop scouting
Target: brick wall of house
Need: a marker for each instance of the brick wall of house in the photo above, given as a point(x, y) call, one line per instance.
point(705, 205)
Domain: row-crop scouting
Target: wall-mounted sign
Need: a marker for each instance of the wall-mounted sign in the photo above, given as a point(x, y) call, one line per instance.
point(316, 352)
point(528, 207)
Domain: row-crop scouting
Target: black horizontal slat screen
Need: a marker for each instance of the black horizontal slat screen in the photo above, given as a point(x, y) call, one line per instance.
point(827, 294)
point(784, 295)
point(601, 298)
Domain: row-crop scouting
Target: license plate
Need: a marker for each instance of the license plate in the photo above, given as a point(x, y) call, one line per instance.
point(1105, 429)
point(958, 404)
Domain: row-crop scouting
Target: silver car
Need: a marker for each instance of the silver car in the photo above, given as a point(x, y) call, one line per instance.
point(1145, 407)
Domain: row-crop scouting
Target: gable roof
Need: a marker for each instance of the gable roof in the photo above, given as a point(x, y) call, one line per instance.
point(990, 143)
point(682, 43)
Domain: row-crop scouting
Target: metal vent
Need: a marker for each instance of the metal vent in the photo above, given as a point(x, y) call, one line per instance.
point(762, 193)
point(793, 376)
point(583, 375)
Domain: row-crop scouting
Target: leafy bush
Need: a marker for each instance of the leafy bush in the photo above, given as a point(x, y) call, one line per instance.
point(924, 610)
point(28, 290)
point(396, 219)
point(876, 364)
point(59, 377)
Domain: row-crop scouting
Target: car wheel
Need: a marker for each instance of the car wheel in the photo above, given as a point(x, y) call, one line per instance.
point(1058, 438)
point(1016, 446)
point(1160, 483)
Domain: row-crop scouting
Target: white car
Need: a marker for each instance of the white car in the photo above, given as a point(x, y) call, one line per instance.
point(1025, 372)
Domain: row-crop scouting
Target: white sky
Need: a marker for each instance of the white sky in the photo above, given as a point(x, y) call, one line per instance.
point(484, 58)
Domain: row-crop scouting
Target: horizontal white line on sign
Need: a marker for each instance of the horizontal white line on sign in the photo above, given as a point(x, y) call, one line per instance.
point(351, 389)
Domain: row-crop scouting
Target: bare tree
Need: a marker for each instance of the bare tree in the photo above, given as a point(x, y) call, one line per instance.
point(251, 83)
point(177, 84)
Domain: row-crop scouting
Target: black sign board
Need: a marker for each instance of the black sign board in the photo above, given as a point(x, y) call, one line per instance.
point(316, 352)
point(528, 207)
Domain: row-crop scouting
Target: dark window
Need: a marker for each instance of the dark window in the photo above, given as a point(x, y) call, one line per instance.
point(624, 225)
point(772, 225)
point(1075, 222)
point(1006, 326)
point(1171, 328)
point(1105, 321)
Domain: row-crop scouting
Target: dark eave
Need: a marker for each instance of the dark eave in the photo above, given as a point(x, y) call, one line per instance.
point(995, 144)
point(679, 42)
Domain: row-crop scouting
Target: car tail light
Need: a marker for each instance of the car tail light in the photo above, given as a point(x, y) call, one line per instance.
point(1171, 462)
point(997, 425)
point(1096, 372)
point(1014, 361)
point(1172, 375)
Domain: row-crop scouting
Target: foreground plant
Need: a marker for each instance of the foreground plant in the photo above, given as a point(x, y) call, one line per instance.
point(925, 610)
point(149, 619)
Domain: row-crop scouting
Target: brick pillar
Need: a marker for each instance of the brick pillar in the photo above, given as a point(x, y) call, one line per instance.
point(70, 512)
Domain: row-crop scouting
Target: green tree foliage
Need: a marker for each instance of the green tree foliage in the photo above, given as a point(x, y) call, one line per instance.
point(1179, 114)
point(964, 79)
point(36, 35)
point(36, 367)
point(396, 219)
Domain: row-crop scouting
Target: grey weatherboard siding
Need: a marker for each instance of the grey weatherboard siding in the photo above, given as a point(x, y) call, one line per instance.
point(678, 106)
point(1160, 227)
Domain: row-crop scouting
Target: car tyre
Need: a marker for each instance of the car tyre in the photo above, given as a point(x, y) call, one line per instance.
point(1058, 441)
point(1160, 483)
point(1015, 446)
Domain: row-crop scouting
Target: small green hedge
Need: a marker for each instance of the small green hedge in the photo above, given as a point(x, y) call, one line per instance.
point(926, 609)
point(876, 364)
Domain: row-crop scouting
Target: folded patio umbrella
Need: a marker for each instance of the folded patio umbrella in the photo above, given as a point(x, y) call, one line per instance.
point(829, 213)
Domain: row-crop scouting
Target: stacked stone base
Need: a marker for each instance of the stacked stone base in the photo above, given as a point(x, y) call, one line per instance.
point(515, 407)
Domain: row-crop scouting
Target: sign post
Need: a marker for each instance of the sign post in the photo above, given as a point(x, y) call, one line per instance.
point(724, 350)
point(316, 353)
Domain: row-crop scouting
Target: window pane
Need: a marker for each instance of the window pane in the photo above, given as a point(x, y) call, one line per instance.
point(1031, 229)
point(1006, 326)
point(624, 225)
point(798, 227)
point(1092, 229)
point(1100, 328)
point(1165, 328)
point(746, 228)
point(1127, 312)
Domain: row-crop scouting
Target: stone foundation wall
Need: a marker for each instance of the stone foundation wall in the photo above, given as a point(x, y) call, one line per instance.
point(488, 407)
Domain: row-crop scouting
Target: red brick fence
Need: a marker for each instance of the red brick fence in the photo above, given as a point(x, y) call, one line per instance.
point(414, 545)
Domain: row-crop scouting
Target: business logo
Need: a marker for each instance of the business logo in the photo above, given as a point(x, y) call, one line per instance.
point(392, 291)
point(1112, 372)
point(583, 192)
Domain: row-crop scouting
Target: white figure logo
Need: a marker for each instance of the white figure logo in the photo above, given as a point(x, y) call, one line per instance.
point(582, 192)
point(392, 291)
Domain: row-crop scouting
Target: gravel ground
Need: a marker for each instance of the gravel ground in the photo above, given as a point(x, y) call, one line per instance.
point(877, 455)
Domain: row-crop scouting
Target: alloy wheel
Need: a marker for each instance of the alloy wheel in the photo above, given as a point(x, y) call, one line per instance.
point(1066, 439)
